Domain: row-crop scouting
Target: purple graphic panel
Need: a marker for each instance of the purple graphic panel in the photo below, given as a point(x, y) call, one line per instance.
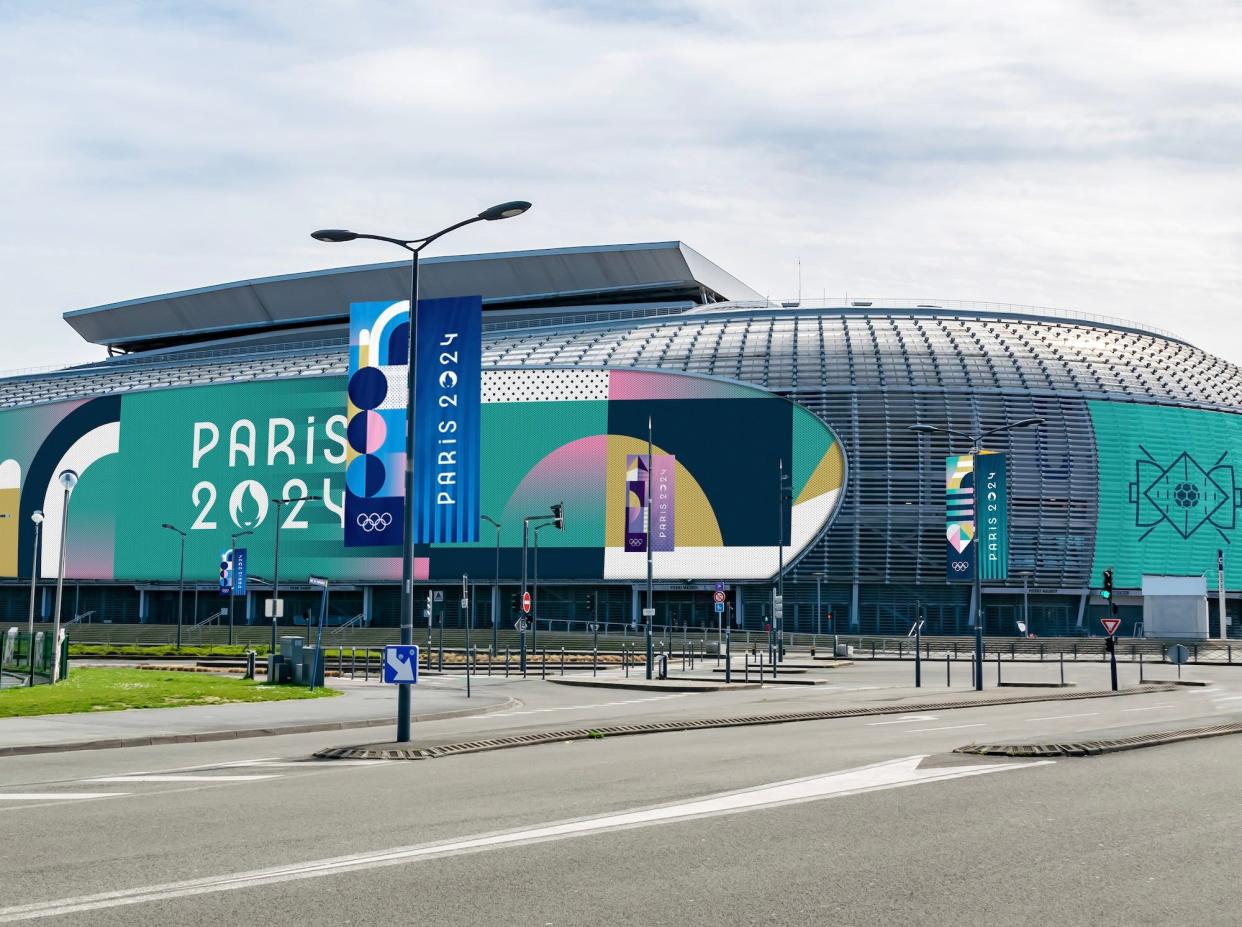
point(636, 503)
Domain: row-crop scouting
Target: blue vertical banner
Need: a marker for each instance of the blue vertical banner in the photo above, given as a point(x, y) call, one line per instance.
point(447, 396)
point(959, 511)
point(991, 478)
point(226, 572)
point(240, 562)
point(376, 408)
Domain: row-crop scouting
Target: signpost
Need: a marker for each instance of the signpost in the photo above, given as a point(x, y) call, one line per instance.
point(317, 661)
point(1110, 626)
point(401, 664)
point(525, 603)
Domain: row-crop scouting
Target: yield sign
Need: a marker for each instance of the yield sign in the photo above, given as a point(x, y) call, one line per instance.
point(526, 603)
point(1111, 625)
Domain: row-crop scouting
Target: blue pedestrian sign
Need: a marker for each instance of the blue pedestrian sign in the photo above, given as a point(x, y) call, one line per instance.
point(401, 664)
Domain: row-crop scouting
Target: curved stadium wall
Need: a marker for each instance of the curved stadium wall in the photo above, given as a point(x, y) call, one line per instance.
point(1133, 468)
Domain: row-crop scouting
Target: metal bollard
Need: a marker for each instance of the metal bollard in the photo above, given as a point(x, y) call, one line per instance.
point(562, 661)
point(998, 668)
point(506, 663)
point(594, 660)
point(353, 662)
point(746, 668)
point(1140, 668)
point(948, 677)
point(1062, 656)
point(873, 650)
point(340, 661)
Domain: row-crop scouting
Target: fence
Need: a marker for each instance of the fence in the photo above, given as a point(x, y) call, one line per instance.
point(27, 661)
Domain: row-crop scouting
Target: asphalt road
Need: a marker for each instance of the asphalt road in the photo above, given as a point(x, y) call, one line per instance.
point(881, 826)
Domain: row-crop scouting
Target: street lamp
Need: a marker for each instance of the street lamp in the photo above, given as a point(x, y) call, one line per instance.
point(279, 503)
point(778, 607)
point(180, 581)
point(414, 246)
point(534, 595)
point(495, 583)
point(36, 517)
point(819, 611)
point(68, 480)
point(976, 445)
point(233, 585)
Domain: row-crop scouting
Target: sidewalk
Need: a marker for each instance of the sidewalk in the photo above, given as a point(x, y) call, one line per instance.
point(361, 706)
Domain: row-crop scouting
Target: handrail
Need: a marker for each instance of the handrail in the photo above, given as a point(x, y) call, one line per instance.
point(355, 622)
point(77, 619)
point(210, 619)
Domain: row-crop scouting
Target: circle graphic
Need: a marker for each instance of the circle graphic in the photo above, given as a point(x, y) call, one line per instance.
point(1186, 495)
point(368, 387)
point(365, 475)
point(367, 431)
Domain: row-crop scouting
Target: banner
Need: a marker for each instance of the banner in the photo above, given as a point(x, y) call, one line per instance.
point(233, 572)
point(959, 510)
point(226, 572)
point(447, 395)
point(992, 475)
point(379, 336)
point(636, 503)
point(657, 514)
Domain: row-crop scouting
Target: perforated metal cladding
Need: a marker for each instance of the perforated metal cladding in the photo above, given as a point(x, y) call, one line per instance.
point(544, 385)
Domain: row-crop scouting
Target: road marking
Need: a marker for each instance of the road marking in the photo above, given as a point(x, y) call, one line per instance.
point(1227, 698)
point(907, 720)
point(298, 764)
point(180, 777)
point(1148, 708)
point(950, 727)
point(539, 711)
point(57, 796)
point(889, 775)
point(1086, 714)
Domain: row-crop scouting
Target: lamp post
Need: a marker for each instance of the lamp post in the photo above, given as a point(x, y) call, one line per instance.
point(534, 595)
point(233, 585)
point(495, 582)
point(649, 611)
point(778, 607)
point(180, 581)
point(37, 518)
point(276, 607)
point(414, 246)
point(557, 517)
point(819, 609)
point(68, 480)
point(976, 445)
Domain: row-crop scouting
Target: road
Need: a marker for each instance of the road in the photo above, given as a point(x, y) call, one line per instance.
point(879, 825)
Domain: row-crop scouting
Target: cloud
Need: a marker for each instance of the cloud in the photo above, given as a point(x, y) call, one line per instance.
point(1078, 155)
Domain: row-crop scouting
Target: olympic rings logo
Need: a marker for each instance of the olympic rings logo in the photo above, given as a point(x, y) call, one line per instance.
point(374, 522)
point(961, 566)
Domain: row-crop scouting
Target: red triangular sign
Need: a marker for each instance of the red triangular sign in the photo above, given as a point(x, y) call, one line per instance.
point(1111, 625)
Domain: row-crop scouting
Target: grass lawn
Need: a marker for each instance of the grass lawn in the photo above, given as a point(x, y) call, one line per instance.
point(89, 689)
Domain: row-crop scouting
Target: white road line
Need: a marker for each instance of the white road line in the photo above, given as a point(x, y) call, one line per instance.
point(909, 720)
point(57, 796)
point(950, 727)
point(540, 711)
point(181, 778)
point(298, 764)
point(1227, 698)
point(893, 774)
point(1086, 714)
point(1148, 708)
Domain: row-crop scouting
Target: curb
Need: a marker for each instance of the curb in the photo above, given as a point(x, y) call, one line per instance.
point(394, 752)
point(710, 685)
point(243, 733)
point(1101, 747)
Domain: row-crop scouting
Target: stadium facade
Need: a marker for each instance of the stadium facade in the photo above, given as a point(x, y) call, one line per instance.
point(214, 401)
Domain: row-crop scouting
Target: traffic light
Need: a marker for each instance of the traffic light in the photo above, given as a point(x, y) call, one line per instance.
point(1107, 592)
point(513, 603)
point(427, 609)
point(590, 603)
point(1110, 644)
point(558, 516)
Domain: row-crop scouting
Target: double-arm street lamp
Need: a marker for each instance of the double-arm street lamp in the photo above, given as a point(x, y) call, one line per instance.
point(976, 445)
point(495, 583)
point(233, 585)
point(180, 580)
point(414, 246)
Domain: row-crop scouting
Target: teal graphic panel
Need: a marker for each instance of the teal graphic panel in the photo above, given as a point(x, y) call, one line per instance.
point(1169, 492)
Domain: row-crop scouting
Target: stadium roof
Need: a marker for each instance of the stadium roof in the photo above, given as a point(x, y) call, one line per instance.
point(603, 274)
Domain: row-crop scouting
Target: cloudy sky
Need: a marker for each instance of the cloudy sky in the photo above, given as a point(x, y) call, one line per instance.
point(1083, 155)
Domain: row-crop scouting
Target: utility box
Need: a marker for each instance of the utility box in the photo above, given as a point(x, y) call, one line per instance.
point(1175, 607)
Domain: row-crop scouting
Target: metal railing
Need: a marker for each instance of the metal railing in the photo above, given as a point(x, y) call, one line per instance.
point(84, 618)
point(357, 621)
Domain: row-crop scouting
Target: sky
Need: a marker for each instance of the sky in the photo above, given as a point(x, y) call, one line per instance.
point(1080, 155)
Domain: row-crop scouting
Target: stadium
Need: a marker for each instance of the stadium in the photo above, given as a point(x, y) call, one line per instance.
point(212, 402)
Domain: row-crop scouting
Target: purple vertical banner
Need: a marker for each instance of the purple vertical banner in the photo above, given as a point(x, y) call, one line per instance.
point(663, 490)
point(636, 503)
point(379, 347)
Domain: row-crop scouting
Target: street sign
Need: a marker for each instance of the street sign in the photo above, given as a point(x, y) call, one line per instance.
point(720, 587)
point(522, 624)
point(718, 597)
point(401, 664)
point(437, 595)
point(648, 612)
point(1179, 654)
point(465, 604)
point(274, 608)
point(1110, 625)
point(593, 626)
point(719, 607)
point(318, 581)
point(526, 603)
